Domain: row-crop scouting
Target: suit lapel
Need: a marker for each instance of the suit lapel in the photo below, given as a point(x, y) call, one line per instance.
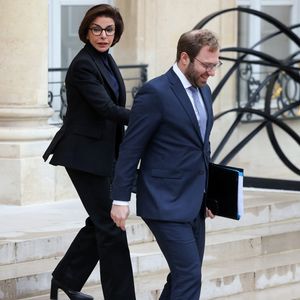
point(105, 73)
point(184, 100)
point(116, 71)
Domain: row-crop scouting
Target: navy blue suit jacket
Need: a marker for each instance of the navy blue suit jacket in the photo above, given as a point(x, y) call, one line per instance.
point(164, 135)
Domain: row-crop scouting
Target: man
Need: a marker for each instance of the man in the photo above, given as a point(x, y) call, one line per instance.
point(168, 133)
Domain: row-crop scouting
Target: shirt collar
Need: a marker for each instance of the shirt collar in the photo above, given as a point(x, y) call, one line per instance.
point(186, 84)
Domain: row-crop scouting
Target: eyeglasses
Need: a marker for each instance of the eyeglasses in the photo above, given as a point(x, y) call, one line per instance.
point(209, 67)
point(97, 30)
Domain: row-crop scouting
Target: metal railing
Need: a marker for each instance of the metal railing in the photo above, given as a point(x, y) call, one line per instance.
point(269, 100)
point(134, 77)
point(251, 92)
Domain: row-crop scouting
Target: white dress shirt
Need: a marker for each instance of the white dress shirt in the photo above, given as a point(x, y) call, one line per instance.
point(186, 84)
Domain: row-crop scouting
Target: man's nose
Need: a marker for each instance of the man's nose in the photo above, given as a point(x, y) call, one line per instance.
point(211, 72)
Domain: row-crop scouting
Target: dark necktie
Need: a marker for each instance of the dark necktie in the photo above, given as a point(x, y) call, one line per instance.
point(200, 110)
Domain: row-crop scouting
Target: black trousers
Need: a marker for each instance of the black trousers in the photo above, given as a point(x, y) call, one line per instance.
point(100, 239)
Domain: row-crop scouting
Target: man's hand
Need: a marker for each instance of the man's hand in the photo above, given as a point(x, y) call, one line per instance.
point(119, 214)
point(209, 214)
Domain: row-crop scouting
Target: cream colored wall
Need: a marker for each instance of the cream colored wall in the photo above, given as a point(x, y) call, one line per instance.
point(151, 33)
point(152, 29)
point(20, 51)
point(260, 159)
point(24, 131)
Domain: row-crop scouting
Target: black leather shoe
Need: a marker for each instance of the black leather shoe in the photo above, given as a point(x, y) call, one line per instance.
point(73, 295)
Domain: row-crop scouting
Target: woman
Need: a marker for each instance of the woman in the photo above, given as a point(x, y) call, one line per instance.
point(87, 146)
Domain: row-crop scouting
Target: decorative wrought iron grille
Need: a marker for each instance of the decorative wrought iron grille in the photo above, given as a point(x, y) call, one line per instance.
point(269, 100)
point(134, 77)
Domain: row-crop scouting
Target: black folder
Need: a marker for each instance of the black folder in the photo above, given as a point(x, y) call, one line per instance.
point(224, 195)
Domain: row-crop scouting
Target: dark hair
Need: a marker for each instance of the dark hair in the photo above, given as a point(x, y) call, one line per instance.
point(193, 41)
point(101, 10)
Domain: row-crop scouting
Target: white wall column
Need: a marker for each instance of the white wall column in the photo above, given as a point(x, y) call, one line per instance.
point(24, 131)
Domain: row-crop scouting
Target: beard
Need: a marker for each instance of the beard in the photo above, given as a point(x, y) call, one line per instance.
point(193, 76)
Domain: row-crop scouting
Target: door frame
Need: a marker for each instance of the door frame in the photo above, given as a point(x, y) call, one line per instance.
point(54, 27)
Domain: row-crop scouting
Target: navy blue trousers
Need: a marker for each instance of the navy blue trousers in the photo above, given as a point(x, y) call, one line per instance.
point(183, 247)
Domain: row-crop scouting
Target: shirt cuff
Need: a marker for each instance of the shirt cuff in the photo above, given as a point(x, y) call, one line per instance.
point(123, 203)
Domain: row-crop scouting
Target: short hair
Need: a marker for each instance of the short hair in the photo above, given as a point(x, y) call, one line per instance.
point(101, 10)
point(193, 41)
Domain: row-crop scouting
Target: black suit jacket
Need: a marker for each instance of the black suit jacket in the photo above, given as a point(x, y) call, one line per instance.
point(93, 127)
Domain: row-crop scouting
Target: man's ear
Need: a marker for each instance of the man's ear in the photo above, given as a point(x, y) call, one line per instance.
point(185, 59)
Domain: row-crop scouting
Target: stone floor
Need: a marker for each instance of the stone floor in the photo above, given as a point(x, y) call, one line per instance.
point(24, 225)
